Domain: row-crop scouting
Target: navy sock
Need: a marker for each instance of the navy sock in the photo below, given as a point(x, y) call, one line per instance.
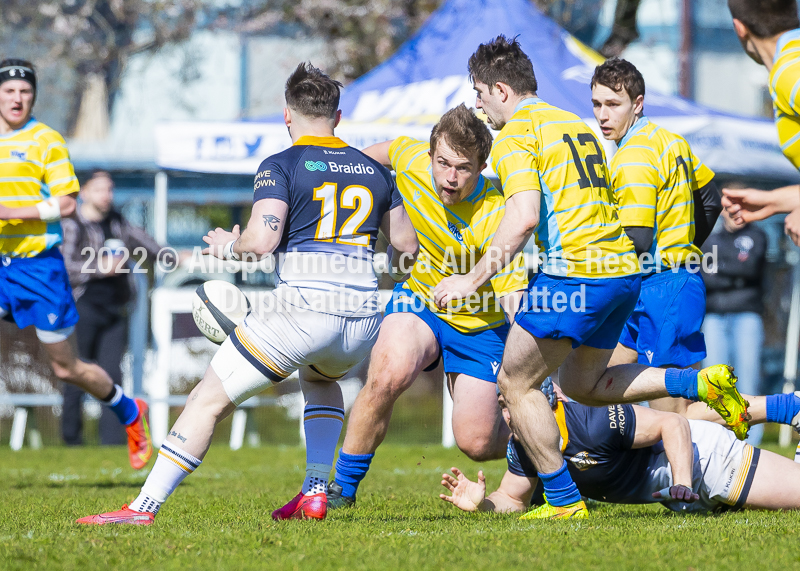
point(782, 408)
point(681, 383)
point(350, 470)
point(559, 489)
point(123, 406)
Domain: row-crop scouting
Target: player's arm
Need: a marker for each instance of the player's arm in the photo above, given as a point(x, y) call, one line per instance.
point(513, 495)
point(380, 152)
point(404, 245)
point(519, 220)
point(50, 210)
point(707, 208)
point(261, 236)
point(652, 427)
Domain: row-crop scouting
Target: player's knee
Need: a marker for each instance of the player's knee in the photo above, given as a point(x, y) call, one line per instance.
point(66, 372)
point(478, 447)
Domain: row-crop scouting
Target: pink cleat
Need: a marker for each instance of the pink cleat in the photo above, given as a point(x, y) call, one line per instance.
point(303, 507)
point(124, 515)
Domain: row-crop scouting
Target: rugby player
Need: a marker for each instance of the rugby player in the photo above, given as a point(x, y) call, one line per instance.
point(552, 169)
point(455, 211)
point(38, 188)
point(668, 204)
point(630, 454)
point(320, 203)
point(769, 31)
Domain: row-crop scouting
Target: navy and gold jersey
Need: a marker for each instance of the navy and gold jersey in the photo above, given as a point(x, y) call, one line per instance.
point(337, 196)
point(596, 443)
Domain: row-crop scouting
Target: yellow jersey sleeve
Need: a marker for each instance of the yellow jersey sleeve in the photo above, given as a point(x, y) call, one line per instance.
point(702, 174)
point(59, 174)
point(515, 160)
point(784, 87)
point(408, 154)
point(636, 179)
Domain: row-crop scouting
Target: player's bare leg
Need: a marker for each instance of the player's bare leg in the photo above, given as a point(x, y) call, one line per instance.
point(323, 417)
point(478, 425)
point(95, 381)
point(68, 368)
point(625, 356)
point(776, 484)
point(181, 453)
point(405, 346)
point(527, 361)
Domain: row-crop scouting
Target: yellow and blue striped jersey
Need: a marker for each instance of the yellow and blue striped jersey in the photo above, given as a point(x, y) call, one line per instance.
point(654, 174)
point(543, 148)
point(452, 238)
point(784, 83)
point(34, 165)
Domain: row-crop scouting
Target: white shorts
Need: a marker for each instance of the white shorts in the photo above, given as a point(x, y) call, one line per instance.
point(270, 345)
point(723, 469)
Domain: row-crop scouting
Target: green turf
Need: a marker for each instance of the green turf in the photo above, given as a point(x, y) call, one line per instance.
point(219, 519)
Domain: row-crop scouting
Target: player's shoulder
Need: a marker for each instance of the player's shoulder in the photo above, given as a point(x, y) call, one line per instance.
point(43, 134)
point(286, 160)
point(407, 154)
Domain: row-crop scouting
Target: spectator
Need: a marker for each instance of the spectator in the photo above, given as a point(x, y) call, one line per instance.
point(102, 287)
point(733, 327)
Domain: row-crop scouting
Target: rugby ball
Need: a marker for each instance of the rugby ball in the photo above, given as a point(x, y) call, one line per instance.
point(218, 307)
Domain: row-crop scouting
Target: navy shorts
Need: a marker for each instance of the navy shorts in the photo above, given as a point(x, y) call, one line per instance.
point(664, 328)
point(591, 312)
point(36, 291)
point(477, 354)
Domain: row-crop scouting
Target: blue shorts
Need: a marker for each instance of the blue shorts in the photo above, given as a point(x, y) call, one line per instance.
point(591, 312)
point(476, 354)
point(36, 291)
point(664, 328)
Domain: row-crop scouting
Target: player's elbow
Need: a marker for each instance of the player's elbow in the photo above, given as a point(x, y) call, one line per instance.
point(67, 205)
point(408, 245)
point(527, 221)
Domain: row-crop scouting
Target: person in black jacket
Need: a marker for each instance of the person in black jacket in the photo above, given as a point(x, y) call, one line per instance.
point(733, 327)
point(97, 243)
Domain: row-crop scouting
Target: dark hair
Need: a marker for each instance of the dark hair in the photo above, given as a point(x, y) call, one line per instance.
point(766, 18)
point(503, 61)
point(312, 93)
point(464, 133)
point(617, 74)
point(12, 68)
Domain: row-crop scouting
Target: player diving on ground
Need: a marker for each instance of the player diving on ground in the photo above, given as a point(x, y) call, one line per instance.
point(455, 211)
point(320, 204)
point(630, 454)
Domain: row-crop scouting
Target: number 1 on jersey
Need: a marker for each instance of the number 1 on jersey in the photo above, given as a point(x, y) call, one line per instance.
point(353, 196)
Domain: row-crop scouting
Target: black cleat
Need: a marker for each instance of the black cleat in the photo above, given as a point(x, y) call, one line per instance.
point(335, 498)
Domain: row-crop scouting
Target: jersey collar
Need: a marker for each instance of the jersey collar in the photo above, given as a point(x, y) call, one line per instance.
point(30, 123)
point(330, 142)
point(526, 101)
point(785, 38)
point(640, 124)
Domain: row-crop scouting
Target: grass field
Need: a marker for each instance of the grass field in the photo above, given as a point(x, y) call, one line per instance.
point(220, 519)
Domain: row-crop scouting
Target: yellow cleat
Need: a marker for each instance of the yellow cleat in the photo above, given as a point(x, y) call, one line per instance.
point(716, 386)
point(572, 511)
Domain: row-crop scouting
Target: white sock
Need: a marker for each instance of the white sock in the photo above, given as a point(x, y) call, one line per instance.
point(323, 425)
point(171, 467)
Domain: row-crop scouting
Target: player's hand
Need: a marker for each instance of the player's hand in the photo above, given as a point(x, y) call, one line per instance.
point(453, 288)
point(747, 205)
point(792, 226)
point(218, 239)
point(677, 493)
point(466, 494)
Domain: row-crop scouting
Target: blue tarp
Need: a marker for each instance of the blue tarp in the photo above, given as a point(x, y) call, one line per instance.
point(427, 75)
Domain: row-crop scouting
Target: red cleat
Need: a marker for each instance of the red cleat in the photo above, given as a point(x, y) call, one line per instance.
point(303, 507)
point(140, 445)
point(124, 515)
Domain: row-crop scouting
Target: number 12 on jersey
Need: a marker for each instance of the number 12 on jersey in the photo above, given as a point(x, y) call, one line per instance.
point(352, 197)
